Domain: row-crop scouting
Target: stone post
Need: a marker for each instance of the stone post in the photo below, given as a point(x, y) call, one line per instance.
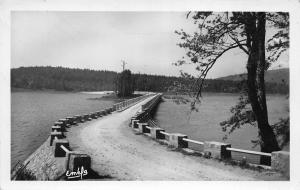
point(70, 120)
point(75, 160)
point(64, 121)
point(54, 134)
point(175, 139)
point(143, 128)
point(87, 117)
point(135, 123)
point(131, 119)
point(56, 128)
point(58, 151)
point(280, 161)
point(217, 149)
point(61, 124)
point(155, 133)
point(78, 118)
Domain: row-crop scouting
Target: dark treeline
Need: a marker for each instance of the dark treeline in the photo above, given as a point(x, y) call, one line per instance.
point(66, 79)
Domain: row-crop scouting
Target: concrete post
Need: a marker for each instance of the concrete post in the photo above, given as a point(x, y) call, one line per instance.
point(104, 112)
point(280, 161)
point(175, 139)
point(75, 160)
point(99, 114)
point(70, 120)
point(135, 123)
point(143, 128)
point(61, 124)
point(217, 149)
point(57, 134)
point(155, 133)
point(108, 111)
point(56, 128)
point(58, 151)
point(131, 119)
point(93, 115)
point(77, 118)
point(64, 121)
point(114, 107)
point(75, 121)
point(87, 117)
point(82, 119)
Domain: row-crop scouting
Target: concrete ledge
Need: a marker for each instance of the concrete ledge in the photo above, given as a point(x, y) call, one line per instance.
point(155, 133)
point(57, 134)
point(175, 139)
point(217, 149)
point(280, 161)
point(142, 128)
point(75, 160)
point(58, 151)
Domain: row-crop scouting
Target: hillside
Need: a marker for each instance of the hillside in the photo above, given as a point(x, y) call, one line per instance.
point(67, 79)
point(278, 76)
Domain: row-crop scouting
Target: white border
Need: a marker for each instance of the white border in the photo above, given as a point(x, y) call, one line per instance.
point(6, 6)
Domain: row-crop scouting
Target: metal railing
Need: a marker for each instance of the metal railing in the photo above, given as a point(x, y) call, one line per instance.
point(150, 104)
point(249, 152)
point(164, 133)
point(130, 102)
point(65, 148)
point(153, 124)
point(193, 141)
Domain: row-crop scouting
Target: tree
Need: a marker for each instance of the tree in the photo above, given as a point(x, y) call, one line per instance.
point(125, 84)
point(221, 32)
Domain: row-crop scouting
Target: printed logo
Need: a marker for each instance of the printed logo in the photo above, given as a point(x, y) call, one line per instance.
point(79, 173)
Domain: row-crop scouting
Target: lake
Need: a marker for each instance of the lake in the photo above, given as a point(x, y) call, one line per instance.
point(33, 114)
point(214, 108)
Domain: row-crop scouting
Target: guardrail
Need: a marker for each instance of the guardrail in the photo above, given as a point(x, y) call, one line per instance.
point(143, 123)
point(127, 103)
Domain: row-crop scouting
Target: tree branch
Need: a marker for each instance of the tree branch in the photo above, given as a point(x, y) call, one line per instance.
point(239, 44)
point(208, 67)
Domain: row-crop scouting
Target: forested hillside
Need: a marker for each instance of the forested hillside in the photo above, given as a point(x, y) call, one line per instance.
point(279, 76)
point(66, 79)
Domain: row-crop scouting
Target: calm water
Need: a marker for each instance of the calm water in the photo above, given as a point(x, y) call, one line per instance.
point(204, 125)
point(33, 114)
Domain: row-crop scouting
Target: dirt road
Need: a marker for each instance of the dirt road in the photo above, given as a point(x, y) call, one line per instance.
point(118, 152)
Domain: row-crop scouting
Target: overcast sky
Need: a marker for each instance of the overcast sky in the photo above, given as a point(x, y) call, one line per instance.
point(100, 40)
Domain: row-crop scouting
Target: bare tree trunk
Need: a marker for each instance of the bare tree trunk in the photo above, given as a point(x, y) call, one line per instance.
point(256, 84)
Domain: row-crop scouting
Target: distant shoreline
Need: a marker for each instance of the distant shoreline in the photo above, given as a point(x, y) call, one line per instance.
point(108, 94)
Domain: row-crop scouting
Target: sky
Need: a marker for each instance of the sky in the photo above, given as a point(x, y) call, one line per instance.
point(101, 40)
